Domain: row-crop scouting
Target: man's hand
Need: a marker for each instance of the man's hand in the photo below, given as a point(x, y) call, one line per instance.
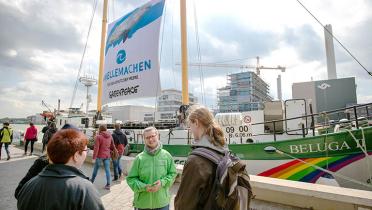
point(154, 187)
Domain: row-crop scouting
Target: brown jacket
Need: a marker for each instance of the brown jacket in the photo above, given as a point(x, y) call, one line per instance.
point(195, 191)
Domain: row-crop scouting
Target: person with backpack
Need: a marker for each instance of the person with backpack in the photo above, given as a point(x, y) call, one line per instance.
point(121, 142)
point(6, 137)
point(204, 184)
point(44, 140)
point(49, 133)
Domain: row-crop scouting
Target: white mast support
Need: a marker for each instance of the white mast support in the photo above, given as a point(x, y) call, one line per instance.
point(279, 87)
point(102, 56)
point(330, 52)
point(88, 81)
point(185, 86)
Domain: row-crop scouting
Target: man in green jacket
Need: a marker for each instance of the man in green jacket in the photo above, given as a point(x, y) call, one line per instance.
point(6, 137)
point(152, 174)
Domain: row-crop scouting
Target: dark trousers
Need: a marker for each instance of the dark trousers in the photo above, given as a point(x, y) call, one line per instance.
point(6, 148)
point(32, 145)
point(44, 145)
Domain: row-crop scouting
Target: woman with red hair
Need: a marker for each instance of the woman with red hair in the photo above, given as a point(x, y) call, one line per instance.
point(62, 185)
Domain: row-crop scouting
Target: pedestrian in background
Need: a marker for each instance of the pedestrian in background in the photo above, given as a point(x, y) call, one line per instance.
point(44, 130)
point(6, 137)
point(121, 142)
point(152, 174)
point(30, 136)
point(62, 185)
point(102, 147)
point(196, 190)
point(49, 133)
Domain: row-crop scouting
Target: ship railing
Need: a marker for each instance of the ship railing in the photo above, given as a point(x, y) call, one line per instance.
point(323, 117)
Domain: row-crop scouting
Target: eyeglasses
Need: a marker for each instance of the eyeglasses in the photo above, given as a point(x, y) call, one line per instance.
point(152, 136)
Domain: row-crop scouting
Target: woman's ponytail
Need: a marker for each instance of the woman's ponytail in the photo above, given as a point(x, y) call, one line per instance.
point(212, 129)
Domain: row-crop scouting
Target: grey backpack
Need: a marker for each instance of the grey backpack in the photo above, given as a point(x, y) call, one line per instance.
point(234, 191)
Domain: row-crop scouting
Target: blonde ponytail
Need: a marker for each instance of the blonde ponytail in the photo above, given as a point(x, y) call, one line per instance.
point(212, 129)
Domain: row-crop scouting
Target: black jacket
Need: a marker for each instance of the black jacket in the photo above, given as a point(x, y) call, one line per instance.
point(49, 134)
point(34, 170)
point(59, 186)
point(119, 137)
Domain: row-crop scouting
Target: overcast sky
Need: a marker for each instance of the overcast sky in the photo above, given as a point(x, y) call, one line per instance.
point(42, 42)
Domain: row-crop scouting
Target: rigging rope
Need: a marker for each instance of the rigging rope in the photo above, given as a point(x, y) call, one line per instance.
point(160, 58)
point(113, 10)
point(334, 174)
point(199, 56)
point(172, 52)
point(368, 72)
point(239, 59)
point(82, 57)
point(363, 147)
point(325, 116)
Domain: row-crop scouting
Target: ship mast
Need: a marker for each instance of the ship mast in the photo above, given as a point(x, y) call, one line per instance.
point(184, 64)
point(185, 87)
point(101, 59)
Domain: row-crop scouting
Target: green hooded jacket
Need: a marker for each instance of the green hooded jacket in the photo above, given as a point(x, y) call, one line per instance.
point(147, 168)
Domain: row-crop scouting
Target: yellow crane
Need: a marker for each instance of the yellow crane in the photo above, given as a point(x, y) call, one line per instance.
point(258, 67)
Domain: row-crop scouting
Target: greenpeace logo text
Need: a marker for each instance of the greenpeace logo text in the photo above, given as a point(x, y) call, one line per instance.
point(123, 91)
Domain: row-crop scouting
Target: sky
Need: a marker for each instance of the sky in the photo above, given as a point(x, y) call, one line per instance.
point(42, 44)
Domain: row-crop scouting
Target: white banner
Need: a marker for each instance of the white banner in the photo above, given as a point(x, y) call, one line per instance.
point(131, 55)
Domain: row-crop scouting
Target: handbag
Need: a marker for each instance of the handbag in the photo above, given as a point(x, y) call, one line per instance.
point(114, 153)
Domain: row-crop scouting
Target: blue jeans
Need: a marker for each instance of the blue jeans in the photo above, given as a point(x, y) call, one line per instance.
point(163, 208)
point(117, 167)
point(106, 164)
point(6, 148)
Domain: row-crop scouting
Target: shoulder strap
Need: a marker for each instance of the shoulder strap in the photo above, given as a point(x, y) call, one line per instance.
point(208, 154)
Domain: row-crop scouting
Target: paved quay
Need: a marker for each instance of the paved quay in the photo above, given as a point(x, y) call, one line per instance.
point(120, 195)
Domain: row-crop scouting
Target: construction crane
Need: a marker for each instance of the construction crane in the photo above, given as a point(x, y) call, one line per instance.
point(258, 67)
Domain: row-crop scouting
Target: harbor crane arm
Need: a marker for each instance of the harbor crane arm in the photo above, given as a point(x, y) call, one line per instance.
point(241, 66)
point(51, 114)
point(43, 103)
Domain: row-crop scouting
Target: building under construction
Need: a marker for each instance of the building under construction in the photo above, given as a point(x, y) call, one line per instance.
point(245, 91)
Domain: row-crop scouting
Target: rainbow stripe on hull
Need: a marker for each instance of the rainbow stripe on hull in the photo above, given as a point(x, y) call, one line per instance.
point(297, 171)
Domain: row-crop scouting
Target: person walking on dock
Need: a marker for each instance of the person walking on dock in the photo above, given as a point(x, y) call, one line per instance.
point(121, 142)
point(6, 137)
point(30, 136)
point(102, 146)
point(49, 134)
point(44, 130)
point(152, 174)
